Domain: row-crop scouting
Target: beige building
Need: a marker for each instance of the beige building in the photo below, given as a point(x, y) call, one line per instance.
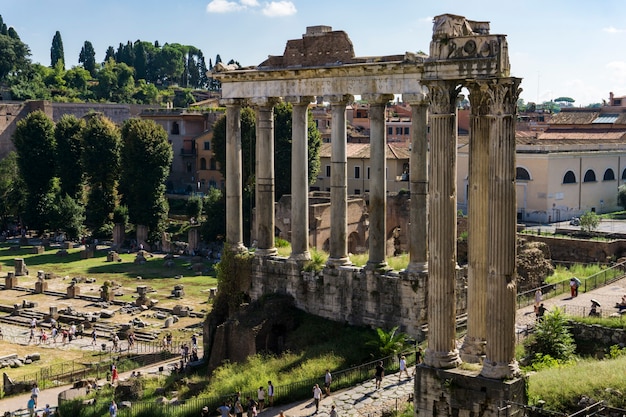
point(576, 165)
point(358, 167)
point(185, 129)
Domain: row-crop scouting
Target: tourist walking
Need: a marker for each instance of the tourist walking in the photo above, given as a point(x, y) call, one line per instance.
point(379, 374)
point(113, 409)
point(31, 407)
point(328, 378)
point(403, 368)
point(270, 393)
point(317, 396)
point(261, 398)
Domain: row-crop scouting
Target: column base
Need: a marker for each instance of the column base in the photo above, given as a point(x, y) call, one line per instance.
point(237, 247)
point(473, 350)
point(417, 267)
point(264, 253)
point(299, 257)
point(442, 360)
point(377, 266)
point(335, 262)
point(496, 370)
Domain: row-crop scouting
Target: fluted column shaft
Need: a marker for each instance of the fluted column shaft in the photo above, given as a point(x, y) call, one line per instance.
point(299, 179)
point(418, 183)
point(442, 352)
point(502, 281)
point(234, 168)
point(473, 349)
point(264, 196)
point(338, 182)
point(378, 180)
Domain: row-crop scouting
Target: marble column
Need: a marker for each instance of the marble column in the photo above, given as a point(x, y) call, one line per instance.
point(473, 349)
point(338, 182)
point(500, 360)
point(299, 178)
point(265, 186)
point(378, 181)
point(441, 351)
point(234, 168)
point(418, 183)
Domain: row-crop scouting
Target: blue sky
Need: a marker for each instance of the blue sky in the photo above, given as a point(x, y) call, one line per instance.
point(568, 48)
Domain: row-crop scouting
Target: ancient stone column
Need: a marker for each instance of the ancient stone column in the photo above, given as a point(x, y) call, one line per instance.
point(442, 351)
point(338, 182)
point(418, 183)
point(299, 178)
point(473, 349)
point(500, 360)
point(264, 195)
point(234, 169)
point(378, 180)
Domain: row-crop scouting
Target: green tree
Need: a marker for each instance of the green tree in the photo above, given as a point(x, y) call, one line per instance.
point(101, 162)
point(589, 221)
point(36, 148)
point(78, 78)
point(87, 57)
point(69, 139)
point(193, 209)
point(391, 342)
point(551, 337)
point(146, 162)
point(12, 196)
point(214, 205)
point(15, 53)
point(67, 215)
point(56, 51)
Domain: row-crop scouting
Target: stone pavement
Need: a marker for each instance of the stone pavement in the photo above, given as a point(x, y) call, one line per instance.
point(361, 400)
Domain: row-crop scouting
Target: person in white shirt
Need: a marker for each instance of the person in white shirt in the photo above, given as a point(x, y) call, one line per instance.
point(317, 396)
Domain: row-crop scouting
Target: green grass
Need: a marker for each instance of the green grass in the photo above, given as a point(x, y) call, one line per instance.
point(562, 273)
point(562, 387)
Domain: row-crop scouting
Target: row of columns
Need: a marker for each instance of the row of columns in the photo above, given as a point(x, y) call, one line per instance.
point(433, 211)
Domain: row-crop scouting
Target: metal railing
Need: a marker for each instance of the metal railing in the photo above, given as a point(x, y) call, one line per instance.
point(600, 279)
point(140, 355)
point(282, 393)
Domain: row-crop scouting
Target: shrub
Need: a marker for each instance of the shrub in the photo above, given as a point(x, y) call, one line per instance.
point(551, 338)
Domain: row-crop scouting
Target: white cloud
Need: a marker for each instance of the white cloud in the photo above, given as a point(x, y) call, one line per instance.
point(223, 6)
point(250, 3)
point(611, 29)
point(279, 9)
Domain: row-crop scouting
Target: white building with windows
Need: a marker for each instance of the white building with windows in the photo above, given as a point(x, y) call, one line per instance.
point(575, 166)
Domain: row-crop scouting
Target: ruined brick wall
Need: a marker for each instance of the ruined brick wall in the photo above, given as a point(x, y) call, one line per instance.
point(581, 250)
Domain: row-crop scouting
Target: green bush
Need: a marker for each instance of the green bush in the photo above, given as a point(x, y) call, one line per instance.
point(551, 338)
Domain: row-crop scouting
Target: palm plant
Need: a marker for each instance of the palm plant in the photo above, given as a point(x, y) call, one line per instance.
point(390, 342)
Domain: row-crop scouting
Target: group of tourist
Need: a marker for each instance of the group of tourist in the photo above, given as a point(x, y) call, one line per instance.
point(68, 333)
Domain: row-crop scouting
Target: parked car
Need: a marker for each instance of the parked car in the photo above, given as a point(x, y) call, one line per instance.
point(575, 221)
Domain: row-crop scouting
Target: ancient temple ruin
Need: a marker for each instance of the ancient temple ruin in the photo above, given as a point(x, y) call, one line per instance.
point(323, 64)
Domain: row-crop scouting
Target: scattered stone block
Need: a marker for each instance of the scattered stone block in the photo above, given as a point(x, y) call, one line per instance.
point(37, 250)
point(67, 245)
point(62, 253)
point(10, 281)
point(113, 256)
point(73, 291)
point(20, 267)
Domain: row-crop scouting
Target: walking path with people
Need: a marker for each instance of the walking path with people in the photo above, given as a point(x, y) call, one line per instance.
point(364, 399)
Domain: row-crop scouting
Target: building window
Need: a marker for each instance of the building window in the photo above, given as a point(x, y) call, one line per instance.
point(357, 172)
point(590, 176)
point(569, 178)
point(188, 166)
point(175, 128)
point(212, 164)
point(368, 173)
point(406, 131)
point(207, 146)
point(398, 130)
point(357, 191)
point(522, 175)
point(202, 163)
point(328, 171)
point(609, 175)
point(390, 130)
